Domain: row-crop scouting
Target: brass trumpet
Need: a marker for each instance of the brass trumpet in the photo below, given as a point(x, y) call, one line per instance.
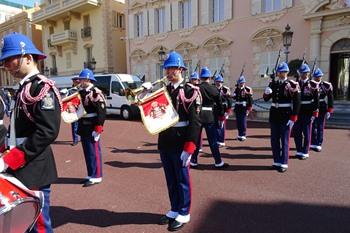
point(136, 95)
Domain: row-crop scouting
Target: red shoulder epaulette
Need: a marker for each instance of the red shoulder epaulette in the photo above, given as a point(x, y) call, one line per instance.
point(313, 84)
point(293, 86)
point(328, 86)
point(249, 90)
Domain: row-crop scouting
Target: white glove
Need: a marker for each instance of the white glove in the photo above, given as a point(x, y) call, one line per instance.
point(328, 115)
point(226, 115)
point(290, 123)
point(268, 91)
point(96, 136)
point(312, 119)
point(147, 85)
point(3, 165)
point(247, 113)
point(64, 91)
point(185, 158)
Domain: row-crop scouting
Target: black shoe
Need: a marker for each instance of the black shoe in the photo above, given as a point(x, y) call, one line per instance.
point(74, 144)
point(175, 225)
point(164, 220)
point(90, 183)
point(225, 165)
point(281, 169)
point(194, 166)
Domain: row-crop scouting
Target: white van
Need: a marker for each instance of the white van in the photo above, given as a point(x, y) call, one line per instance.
point(113, 86)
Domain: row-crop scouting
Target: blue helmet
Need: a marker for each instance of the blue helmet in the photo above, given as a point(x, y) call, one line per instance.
point(241, 80)
point(219, 78)
point(194, 76)
point(14, 44)
point(318, 73)
point(304, 68)
point(86, 74)
point(282, 67)
point(174, 59)
point(205, 73)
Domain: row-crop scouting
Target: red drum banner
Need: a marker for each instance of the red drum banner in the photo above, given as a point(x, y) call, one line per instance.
point(73, 108)
point(157, 111)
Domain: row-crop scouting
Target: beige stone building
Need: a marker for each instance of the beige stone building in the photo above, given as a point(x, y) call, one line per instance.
point(21, 23)
point(83, 33)
point(230, 33)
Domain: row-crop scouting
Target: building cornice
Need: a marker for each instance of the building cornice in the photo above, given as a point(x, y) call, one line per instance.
point(328, 13)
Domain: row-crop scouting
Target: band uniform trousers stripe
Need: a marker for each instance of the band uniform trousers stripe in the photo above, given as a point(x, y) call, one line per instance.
point(98, 161)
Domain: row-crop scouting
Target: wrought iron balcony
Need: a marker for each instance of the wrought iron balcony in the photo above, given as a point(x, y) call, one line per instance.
point(86, 32)
point(53, 71)
point(49, 45)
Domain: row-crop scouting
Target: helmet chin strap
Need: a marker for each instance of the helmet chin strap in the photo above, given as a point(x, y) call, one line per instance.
point(16, 72)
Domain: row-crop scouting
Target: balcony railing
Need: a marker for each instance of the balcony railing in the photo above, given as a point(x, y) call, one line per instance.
point(86, 32)
point(66, 36)
point(53, 71)
point(49, 45)
point(57, 8)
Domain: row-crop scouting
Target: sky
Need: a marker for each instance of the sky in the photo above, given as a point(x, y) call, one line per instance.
point(25, 2)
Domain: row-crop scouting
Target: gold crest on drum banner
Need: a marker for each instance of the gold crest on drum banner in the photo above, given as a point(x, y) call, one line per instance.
point(73, 108)
point(157, 111)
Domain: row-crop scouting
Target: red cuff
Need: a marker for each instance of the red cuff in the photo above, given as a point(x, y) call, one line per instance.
point(99, 129)
point(228, 111)
point(294, 118)
point(189, 147)
point(315, 114)
point(330, 110)
point(14, 158)
point(250, 108)
point(2, 148)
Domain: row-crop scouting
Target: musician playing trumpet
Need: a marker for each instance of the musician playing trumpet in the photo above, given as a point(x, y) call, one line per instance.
point(176, 144)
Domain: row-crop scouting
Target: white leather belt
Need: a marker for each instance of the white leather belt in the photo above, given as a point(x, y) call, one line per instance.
point(90, 115)
point(307, 102)
point(1, 122)
point(278, 105)
point(181, 124)
point(322, 100)
point(20, 141)
point(243, 102)
point(207, 108)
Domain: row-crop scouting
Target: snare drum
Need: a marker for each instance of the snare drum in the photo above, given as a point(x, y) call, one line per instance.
point(19, 207)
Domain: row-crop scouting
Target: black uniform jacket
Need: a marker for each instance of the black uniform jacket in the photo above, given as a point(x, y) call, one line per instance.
point(175, 138)
point(3, 130)
point(211, 100)
point(285, 92)
point(309, 97)
point(226, 98)
point(93, 106)
point(244, 99)
point(39, 168)
point(326, 97)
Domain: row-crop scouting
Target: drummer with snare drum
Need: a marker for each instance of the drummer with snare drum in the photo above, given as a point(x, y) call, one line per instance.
point(35, 122)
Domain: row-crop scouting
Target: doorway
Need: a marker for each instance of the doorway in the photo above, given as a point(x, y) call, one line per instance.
point(340, 69)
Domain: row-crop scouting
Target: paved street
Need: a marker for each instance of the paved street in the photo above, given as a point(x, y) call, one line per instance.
point(313, 196)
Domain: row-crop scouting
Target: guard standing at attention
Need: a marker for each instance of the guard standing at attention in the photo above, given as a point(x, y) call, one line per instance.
point(326, 109)
point(90, 126)
point(36, 119)
point(211, 97)
point(176, 144)
point(285, 95)
point(226, 99)
point(307, 114)
point(243, 95)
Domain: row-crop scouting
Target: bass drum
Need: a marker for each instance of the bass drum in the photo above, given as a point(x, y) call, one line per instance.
point(19, 207)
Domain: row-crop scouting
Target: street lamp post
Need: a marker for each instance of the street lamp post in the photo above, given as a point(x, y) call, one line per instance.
point(161, 54)
point(287, 37)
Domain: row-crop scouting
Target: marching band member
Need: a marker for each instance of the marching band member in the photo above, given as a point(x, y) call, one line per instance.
point(285, 95)
point(176, 144)
point(210, 96)
point(326, 108)
point(194, 79)
point(226, 105)
point(36, 119)
point(307, 114)
point(243, 95)
point(90, 126)
point(3, 110)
